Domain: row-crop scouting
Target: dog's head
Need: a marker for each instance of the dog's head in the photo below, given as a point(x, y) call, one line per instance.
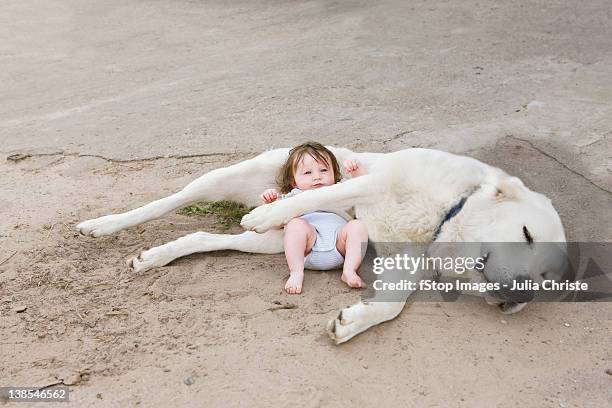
point(520, 238)
point(507, 211)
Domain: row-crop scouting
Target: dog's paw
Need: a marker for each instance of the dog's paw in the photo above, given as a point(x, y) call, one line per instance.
point(144, 262)
point(346, 325)
point(265, 217)
point(100, 226)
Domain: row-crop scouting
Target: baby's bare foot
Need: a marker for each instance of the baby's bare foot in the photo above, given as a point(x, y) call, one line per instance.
point(352, 279)
point(294, 283)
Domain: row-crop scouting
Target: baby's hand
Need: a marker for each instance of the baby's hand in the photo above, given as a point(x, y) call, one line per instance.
point(352, 166)
point(270, 195)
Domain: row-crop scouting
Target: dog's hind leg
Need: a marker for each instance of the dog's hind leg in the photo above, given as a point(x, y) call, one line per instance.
point(242, 182)
point(270, 242)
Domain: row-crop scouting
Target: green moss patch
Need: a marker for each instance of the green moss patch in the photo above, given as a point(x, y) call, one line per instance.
point(227, 213)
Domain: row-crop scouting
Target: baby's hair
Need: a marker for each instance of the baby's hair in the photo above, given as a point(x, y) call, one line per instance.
point(318, 152)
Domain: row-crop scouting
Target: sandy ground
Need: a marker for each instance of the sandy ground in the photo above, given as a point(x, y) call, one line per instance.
point(119, 103)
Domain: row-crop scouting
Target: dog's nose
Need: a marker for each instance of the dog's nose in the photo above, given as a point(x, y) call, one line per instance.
point(520, 290)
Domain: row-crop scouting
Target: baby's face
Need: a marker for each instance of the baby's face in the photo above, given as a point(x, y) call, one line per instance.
point(310, 174)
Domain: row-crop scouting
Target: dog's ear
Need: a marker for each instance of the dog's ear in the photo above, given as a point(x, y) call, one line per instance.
point(509, 189)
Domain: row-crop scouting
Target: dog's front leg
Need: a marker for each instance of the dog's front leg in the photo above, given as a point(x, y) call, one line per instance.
point(360, 190)
point(359, 317)
point(385, 304)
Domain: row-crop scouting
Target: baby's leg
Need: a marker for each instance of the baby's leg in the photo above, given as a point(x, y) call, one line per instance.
point(350, 239)
point(299, 238)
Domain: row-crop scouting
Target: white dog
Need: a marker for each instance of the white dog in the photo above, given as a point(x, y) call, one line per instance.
point(414, 195)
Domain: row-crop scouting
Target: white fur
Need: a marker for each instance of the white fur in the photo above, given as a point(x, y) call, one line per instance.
point(402, 197)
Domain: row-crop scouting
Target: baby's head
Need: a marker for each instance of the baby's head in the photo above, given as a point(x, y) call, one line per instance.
point(309, 165)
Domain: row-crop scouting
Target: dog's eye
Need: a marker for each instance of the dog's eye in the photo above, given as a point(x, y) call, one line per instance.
point(527, 235)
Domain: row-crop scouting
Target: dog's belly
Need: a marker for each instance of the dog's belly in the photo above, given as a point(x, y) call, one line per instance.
point(402, 218)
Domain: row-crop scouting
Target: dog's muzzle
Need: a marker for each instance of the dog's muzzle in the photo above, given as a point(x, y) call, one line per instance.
point(507, 293)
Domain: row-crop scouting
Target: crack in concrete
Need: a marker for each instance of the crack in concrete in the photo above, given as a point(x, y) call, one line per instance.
point(550, 156)
point(397, 136)
point(22, 156)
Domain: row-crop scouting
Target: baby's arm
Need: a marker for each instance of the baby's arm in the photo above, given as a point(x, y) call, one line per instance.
point(353, 167)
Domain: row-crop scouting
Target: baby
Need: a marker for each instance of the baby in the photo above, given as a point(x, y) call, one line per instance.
point(320, 240)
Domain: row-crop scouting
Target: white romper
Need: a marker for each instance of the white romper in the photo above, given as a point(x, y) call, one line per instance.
point(324, 254)
point(327, 224)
